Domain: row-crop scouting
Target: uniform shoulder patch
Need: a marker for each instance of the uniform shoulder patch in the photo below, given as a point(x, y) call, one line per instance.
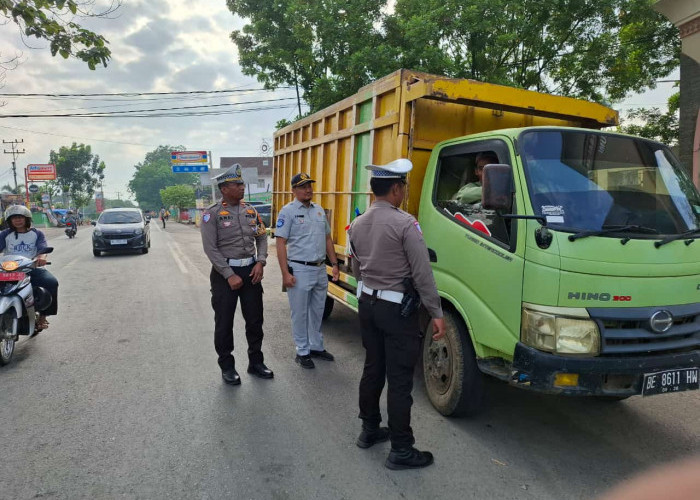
point(206, 217)
point(417, 226)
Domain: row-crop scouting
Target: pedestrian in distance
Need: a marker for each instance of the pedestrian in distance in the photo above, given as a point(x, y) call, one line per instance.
point(235, 241)
point(390, 260)
point(303, 240)
point(162, 216)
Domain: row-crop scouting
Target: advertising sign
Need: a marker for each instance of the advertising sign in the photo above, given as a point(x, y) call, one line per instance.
point(41, 172)
point(188, 157)
point(33, 188)
point(99, 203)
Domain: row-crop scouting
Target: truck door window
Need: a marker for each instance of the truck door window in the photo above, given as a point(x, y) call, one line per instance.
point(458, 187)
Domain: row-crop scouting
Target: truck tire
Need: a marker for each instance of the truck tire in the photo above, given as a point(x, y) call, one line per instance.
point(453, 381)
point(328, 309)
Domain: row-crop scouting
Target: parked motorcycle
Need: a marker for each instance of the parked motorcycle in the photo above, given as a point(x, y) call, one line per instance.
point(71, 229)
point(20, 303)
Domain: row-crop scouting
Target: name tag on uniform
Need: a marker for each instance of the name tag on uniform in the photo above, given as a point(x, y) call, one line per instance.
point(299, 219)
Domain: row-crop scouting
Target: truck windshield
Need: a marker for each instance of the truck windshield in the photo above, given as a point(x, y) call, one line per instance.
point(589, 181)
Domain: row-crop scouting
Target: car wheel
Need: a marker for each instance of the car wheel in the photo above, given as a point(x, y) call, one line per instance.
point(96, 253)
point(144, 250)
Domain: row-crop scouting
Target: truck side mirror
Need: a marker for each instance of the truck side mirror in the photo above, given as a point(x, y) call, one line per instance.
point(497, 190)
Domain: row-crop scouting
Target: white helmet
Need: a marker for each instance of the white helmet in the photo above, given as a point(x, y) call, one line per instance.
point(17, 210)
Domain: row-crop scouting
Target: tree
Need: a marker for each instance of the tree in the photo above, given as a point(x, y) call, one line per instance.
point(325, 49)
point(180, 196)
point(653, 124)
point(592, 49)
point(78, 171)
point(53, 21)
point(154, 174)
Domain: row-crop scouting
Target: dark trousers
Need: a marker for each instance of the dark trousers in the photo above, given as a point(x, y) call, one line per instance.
point(224, 302)
point(43, 278)
point(392, 344)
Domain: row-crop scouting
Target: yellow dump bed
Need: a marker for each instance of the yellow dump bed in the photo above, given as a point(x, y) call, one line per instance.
point(404, 115)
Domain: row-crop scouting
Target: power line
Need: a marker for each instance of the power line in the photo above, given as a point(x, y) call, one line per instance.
point(135, 94)
point(76, 137)
point(129, 112)
point(121, 114)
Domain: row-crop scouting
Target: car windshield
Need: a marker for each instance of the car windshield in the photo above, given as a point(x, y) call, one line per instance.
point(119, 218)
point(588, 181)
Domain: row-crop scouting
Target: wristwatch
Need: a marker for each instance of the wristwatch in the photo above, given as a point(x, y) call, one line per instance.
point(333, 264)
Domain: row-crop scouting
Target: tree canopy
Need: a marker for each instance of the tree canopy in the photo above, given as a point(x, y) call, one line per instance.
point(180, 196)
point(654, 124)
point(593, 49)
point(78, 171)
point(154, 174)
point(54, 21)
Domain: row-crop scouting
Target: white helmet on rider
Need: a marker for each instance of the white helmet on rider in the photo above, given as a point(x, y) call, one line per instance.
point(19, 210)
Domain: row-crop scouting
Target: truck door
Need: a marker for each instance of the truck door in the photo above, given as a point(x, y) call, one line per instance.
point(478, 262)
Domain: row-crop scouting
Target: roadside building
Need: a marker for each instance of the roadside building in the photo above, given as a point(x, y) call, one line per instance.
point(685, 14)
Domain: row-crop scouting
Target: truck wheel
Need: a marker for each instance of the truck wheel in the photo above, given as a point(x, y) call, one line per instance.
point(328, 309)
point(453, 381)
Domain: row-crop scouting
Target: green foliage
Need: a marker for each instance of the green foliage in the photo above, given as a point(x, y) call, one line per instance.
point(154, 174)
point(591, 49)
point(52, 20)
point(324, 48)
point(78, 171)
point(180, 196)
point(653, 124)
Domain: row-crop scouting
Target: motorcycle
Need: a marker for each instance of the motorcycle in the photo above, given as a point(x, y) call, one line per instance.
point(20, 303)
point(71, 229)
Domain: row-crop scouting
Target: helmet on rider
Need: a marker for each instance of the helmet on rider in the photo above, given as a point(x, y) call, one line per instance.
point(15, 210)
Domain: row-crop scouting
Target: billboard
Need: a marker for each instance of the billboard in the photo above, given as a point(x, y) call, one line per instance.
point(41, 172)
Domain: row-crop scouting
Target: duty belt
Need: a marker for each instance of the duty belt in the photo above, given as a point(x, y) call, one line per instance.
point(241, 262)
point(317, 264)
point(388, 295)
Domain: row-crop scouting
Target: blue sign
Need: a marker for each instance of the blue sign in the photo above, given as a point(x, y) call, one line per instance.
point(181, 169)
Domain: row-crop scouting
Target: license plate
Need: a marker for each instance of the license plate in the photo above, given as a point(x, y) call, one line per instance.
point(683, 379)
point(118, 242)
point(12, 276)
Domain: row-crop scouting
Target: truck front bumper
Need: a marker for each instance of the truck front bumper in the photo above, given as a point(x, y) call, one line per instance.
point(617, 376)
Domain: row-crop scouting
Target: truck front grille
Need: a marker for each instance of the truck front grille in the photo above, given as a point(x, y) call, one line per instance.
point(628, 331)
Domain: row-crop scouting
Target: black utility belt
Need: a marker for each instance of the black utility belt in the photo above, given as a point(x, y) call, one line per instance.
point(316, 264)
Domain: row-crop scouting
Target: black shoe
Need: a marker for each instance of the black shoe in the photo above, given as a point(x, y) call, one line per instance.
point(323, 355)
point(371, 437)
point(260, 370)
point(231, 377)
point(408, 458)
point(305, 361)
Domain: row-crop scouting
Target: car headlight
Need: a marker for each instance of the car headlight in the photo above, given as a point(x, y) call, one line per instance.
point(97, 232)
point(138, 230)
point(559, 334)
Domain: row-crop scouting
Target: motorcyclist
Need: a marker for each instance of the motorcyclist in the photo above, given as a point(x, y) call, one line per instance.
point(21, 239)
point(72, 219)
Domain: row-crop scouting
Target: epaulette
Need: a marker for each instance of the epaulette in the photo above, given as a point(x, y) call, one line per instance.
point(212, 205)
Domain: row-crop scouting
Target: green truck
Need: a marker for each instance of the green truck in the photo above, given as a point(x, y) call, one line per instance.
point(577, 273)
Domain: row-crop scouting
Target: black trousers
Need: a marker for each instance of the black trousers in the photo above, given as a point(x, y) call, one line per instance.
point(392, 344)
point(42, 277)
point(224, 302)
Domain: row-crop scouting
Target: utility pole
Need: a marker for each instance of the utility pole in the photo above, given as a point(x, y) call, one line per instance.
point(119, 195)
point(14, 152)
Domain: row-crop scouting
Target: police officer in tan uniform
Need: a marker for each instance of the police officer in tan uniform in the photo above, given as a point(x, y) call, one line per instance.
point(234, 239)
point(387, 247)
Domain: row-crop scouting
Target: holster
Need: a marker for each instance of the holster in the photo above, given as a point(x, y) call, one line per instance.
point(411, 299)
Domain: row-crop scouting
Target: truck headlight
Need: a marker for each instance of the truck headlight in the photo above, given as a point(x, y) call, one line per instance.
point(559, 334)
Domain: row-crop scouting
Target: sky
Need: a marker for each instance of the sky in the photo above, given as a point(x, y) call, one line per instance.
point(157, 46)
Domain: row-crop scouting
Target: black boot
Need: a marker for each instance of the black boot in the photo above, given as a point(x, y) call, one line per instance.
point(408, 458)
point(371, 436)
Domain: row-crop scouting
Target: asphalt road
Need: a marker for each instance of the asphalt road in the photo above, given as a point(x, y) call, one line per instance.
point(122, 398)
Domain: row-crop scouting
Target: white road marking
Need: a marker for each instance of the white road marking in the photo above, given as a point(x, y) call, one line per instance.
point(179, 262)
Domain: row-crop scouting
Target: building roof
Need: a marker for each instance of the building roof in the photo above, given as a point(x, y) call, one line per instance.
point(264, 170)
